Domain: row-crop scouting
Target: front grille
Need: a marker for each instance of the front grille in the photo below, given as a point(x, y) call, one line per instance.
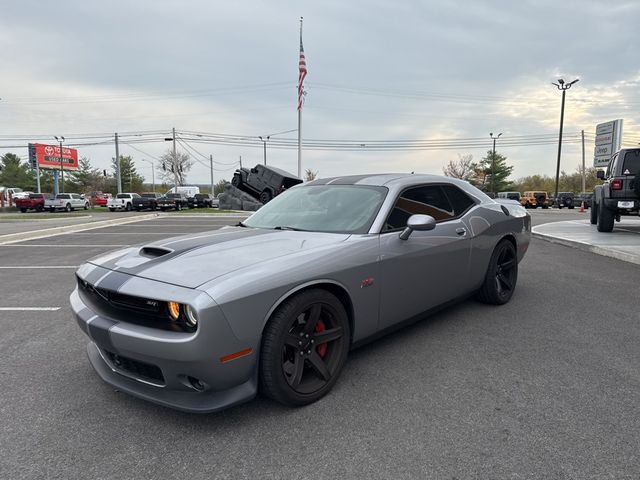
point(139, 369)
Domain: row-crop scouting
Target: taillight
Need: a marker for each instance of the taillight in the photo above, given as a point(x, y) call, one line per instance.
point(616, 184)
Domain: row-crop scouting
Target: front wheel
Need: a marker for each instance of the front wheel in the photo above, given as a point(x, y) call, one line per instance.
point(67, 207)
point(23, 210)
point(86, 206)
point(112, 209)
point(128, 207)
point(178, 207)
point(236, 181)
point(502, 275)
point(304, 347)
point(265, 197)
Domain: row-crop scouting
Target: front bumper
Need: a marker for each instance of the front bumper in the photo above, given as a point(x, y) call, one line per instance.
point(180, 370)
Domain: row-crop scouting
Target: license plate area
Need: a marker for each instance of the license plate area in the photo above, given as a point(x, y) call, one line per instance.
point(625, 204)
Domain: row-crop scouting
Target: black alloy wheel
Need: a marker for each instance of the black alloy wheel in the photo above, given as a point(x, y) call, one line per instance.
point(265, 197)
point(304, 347)
point(502, 275)
point(236, 181)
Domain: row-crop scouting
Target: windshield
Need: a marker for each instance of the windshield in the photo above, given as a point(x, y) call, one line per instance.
point(322, 208)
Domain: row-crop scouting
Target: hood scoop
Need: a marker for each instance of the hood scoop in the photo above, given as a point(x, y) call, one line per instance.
point(154, 252)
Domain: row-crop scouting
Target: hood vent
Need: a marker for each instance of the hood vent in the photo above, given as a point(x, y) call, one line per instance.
point(154, 252)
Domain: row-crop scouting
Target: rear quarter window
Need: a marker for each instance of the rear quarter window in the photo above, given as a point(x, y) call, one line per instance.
point(631, 165)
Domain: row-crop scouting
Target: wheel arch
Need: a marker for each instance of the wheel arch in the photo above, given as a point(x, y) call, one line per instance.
point(331, 286)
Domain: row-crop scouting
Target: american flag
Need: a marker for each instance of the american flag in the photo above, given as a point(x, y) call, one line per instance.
point(302, 73)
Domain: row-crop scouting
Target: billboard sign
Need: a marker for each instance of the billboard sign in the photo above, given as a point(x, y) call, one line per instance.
point(608, 142)
point(48, 156)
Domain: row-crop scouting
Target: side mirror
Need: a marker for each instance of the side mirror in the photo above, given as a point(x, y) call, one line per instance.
point(254, 170)
point(600, 174)
point(420, 223)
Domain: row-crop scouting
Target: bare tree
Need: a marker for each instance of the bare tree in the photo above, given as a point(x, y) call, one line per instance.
point(174, 169)
point(464, 168)
point(310, 175)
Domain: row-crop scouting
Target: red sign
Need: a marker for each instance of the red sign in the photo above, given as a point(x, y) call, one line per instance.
point(48, 156)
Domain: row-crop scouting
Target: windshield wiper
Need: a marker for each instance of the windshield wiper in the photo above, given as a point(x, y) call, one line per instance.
point(285, 227)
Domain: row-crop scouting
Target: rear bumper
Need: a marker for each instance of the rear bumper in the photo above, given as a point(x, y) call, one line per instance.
point(612, 204)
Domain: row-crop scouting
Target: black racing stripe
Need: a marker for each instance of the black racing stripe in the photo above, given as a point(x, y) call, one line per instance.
point(181, 247)
point(95, 275)
point(322, 181)
point(113, 281)
point(353, 179)
point(82, 324)
point(99, 332)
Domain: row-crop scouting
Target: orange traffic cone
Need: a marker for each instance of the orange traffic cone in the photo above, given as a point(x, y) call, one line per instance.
point(582, 207)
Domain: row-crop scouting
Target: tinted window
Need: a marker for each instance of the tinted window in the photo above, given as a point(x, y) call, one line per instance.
point(62, 196)
point(425, 200)
point(460, 201)
point(122, 195)
point(36, 195)
point(631, 164)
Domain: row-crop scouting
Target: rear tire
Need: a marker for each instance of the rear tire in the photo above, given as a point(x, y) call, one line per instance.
point(265, 197)
point(86, 206)
point(68, 208)
point(128, 207)
point(606, 218)
point(23, 210)
point(236, 181)
point(502, 275)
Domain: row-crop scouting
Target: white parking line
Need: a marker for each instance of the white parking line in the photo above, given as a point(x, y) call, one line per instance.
point(64, 246)
point(29, 309)
point(130, 233)
point(27, 267)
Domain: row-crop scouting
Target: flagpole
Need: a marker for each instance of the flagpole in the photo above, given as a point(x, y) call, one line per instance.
point(300, 120)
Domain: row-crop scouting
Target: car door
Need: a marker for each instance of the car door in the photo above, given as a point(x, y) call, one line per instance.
point(430, 267)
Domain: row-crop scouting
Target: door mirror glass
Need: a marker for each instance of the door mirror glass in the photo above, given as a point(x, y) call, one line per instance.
point(600, 174)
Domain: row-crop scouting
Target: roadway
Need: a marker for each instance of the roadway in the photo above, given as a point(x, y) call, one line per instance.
point(546, 386)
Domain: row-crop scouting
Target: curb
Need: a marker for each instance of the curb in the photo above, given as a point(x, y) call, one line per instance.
point(586, 247)
point(48, 232)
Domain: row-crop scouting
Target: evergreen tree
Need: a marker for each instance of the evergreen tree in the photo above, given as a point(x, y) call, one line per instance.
point(16, 173)
point(86, 179)
point(131, 180)
point(494, 172)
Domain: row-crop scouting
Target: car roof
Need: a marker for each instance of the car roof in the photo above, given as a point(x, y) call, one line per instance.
point(383, 179)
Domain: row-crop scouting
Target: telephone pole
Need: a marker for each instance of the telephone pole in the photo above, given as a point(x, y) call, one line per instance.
point(118, 175)
point(211, 163)
point(493, 162)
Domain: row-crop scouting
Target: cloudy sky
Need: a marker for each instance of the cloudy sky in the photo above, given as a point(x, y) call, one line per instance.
point(379, 71)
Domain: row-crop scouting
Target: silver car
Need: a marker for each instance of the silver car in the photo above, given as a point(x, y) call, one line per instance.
point(202, 322)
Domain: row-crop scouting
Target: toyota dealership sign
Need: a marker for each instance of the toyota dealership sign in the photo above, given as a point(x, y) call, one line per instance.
point(48, 156)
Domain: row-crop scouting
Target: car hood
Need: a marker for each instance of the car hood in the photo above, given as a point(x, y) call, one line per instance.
point(191, 260)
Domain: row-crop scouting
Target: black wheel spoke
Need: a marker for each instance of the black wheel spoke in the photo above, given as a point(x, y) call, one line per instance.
point(328, 335)
point(312, 318)
point(319, 366)
point(506, 281)
point(296, 375)
point(292, 340)
point(508, 265)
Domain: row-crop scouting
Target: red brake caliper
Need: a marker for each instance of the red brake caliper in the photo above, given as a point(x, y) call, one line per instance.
point(322, 348)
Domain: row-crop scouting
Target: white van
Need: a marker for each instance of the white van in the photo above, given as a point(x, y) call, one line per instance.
point(189, 191)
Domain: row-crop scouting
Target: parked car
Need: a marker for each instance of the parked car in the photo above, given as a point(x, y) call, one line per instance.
point(123, 201)
point(21, 194)
point(200, 322)
point(99, 199)
point(585, 198)
point(510, 195)
point(201, 200)
point(564, 199)
point(188, 190)
point(535, 200)
point(176, 201)
point(619, 195)
point(263, 182)
point(66, 201)
point(35, 201)
point(147, 200)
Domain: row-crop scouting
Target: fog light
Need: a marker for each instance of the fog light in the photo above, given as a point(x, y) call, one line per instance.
point(174, 310)
point(192, 321)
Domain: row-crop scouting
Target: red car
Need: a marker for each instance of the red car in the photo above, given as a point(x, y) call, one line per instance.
point(100, 199)
point(35, 201)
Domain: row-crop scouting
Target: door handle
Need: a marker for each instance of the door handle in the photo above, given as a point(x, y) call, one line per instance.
point(461, 231)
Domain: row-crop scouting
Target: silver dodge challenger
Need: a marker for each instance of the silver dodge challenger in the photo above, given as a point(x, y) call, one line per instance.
point(274, 304)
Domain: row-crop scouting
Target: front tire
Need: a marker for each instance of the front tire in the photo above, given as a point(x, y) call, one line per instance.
point(502, 275)
point(236, 181)
point(304, 347)
point(67, 207)
point(265, 197)
point(23, 210)
point(112, 209)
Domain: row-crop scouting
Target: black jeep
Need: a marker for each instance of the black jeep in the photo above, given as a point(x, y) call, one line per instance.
point(263, 182)
point(564, 199)
point(620, 193)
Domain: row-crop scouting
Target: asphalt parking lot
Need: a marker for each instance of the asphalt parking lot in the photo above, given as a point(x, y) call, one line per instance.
point(547, 386)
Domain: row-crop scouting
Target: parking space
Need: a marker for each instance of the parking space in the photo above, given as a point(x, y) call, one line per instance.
point(528, 389)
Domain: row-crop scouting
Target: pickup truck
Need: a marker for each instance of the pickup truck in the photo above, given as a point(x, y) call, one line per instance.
point(201, 200)
point(123, 201)
point(147, 200)
point(66, 202)
point(35, 201)
point(177, 201)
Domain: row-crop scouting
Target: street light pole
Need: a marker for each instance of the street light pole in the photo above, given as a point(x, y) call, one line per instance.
point(561, 85)
point(153, 173)
point(264, 144)
point(493, 162)
point(60, 139)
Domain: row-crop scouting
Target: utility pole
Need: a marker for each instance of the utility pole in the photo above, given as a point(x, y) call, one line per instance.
point(584, 171)
point(60, 139)
point(493, 162)
point(211, 163)
point(118, 176)
point(561, 85)
point(240, 161)
point(175, 159)
point(264, 144)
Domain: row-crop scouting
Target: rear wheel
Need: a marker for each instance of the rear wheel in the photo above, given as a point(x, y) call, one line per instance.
point(304, 347)
point(39, 208)
point(265, 197)
point(128, 207)
point(502, 275)
point(178, 207)
point(67, 207)
point(112, 209)
point(86, 206)
point(23, 210)
point(606, 218)
point(236, 181)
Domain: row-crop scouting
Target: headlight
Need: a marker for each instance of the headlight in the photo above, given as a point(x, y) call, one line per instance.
point(191, 319)
point(174, 310)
